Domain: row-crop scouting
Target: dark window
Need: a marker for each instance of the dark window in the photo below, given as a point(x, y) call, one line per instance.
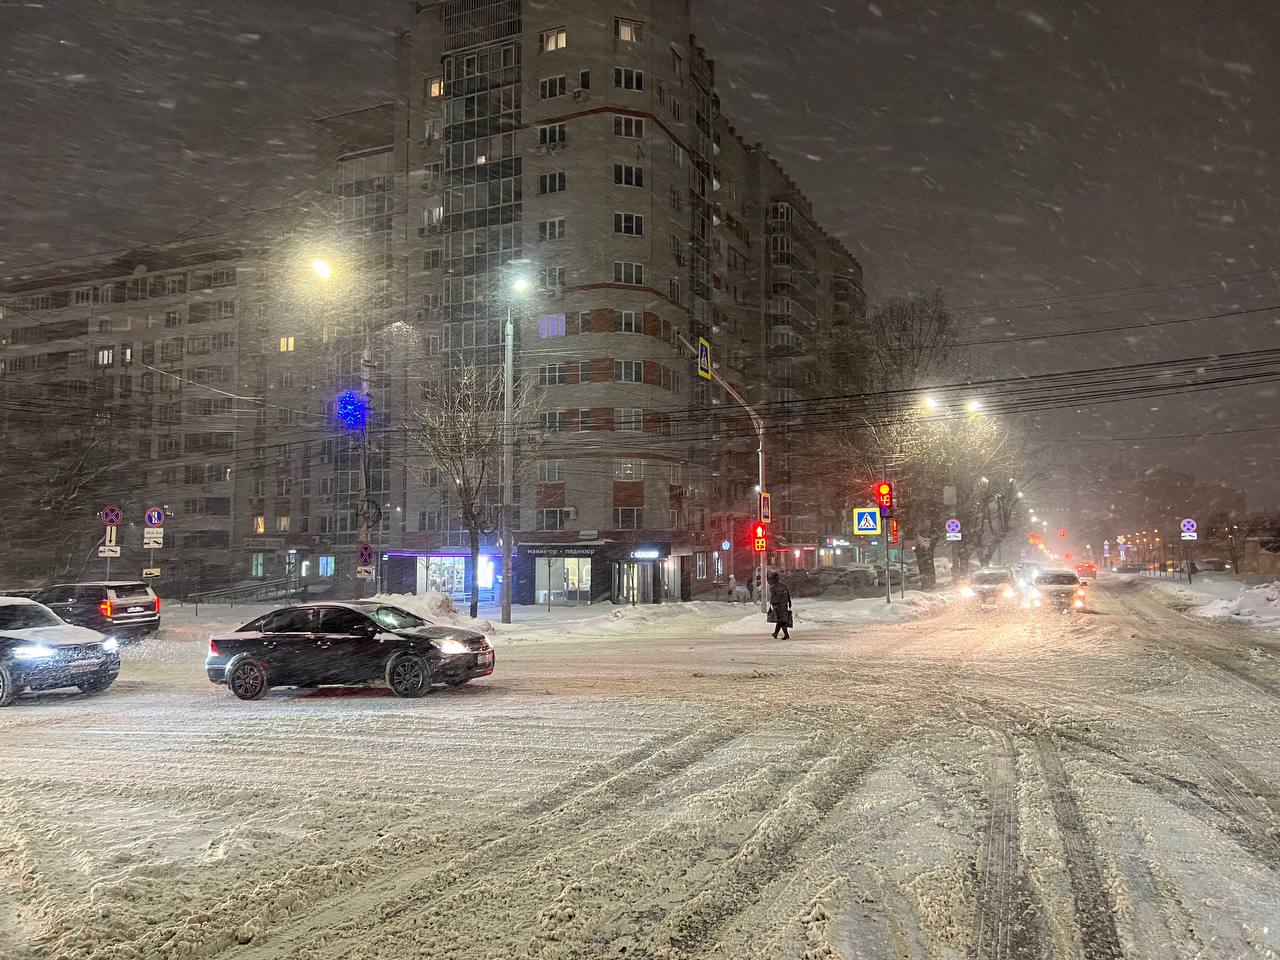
point(341, 620)
point(288, 621)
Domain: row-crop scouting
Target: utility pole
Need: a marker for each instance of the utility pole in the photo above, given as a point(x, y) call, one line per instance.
point(362, 491)
point(508, 465)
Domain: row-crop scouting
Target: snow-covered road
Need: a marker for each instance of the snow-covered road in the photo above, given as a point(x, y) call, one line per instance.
point(1095, 786)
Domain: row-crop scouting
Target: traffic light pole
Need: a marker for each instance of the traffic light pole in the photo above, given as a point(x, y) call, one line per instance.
point(762, 565)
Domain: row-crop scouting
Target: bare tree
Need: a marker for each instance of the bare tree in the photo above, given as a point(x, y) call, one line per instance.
point(457, 428)
point(58, 474)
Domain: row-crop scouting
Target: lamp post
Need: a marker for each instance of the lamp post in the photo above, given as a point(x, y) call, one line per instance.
point(519, 286)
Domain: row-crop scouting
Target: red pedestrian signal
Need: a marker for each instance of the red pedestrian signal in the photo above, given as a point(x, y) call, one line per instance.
point(893, 530)
point(760, 538)
point(884, 495)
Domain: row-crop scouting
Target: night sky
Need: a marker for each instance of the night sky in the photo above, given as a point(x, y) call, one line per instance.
point(1040, 160)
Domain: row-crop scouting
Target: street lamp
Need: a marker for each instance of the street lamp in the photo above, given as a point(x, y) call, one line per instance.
point(321, 269)
point(973, 406)
point(931, 403)
point(519, 286)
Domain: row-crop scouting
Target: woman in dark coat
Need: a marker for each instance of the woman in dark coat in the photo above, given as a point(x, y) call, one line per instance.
point(779, 605)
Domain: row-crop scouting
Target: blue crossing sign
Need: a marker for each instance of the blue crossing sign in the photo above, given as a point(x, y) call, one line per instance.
point(867, 522)
point(704, 358)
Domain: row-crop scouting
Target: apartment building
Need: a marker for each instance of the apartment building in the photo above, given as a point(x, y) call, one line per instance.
point(581, 145)
point(137, 358)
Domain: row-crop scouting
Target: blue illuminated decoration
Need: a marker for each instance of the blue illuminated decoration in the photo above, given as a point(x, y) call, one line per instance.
point(352, 410)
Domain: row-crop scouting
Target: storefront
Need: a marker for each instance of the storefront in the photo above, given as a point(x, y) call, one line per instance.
point(421, 572)
point(573, 574)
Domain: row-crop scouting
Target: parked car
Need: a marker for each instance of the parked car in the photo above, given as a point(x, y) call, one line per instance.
point(317, 644)
point(1059, 590)
point(1087, 571)
point(992, 588)
point(38, 651)
point(125, 609)
point(1216, 564)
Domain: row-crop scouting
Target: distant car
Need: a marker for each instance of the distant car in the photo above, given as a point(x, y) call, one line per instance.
point(319, 644)
point(1215, 564)
point(125, 609)
point(1057, 590)
point(38, 651)
point(1087, 571)
point(992, 588)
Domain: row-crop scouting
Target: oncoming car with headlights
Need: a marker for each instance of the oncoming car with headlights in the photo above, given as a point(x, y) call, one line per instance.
point(992, 588)
point(1057, 590)
point(362, 642)
point(39, 651)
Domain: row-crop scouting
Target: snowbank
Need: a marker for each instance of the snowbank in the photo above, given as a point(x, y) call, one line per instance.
point(1259, 606)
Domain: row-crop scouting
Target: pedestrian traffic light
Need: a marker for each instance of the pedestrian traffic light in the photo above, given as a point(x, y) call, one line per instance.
point(884, 495)
point(1062, 534)
point(893, 530)
point(760, 538)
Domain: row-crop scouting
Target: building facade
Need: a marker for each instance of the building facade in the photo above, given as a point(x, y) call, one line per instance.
point(574, 144)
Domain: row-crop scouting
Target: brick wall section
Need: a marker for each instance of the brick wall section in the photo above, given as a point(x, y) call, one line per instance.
point(653, 371)
point(652, 325)
point(600, 418)
point(628, 493)
point(602, 370)
point(550, 495)
point(602, 321)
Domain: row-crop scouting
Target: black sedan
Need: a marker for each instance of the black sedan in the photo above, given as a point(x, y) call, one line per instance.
point(316, 644)
point(38, 651)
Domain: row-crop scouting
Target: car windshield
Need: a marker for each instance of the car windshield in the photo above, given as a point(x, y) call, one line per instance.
point(393, 618)
point(22, 616)
point(1057, 579)
point(991, 576)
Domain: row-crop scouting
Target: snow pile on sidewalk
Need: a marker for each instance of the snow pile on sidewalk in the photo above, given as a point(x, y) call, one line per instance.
point(1259, 606)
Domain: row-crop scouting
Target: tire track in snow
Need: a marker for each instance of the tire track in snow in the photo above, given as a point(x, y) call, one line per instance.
point(1094, 912)
point(365, 914)
point(1007, 924)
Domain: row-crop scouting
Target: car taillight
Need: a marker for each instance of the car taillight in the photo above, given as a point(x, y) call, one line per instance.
point(1079, 593)
point(213, 649)
point(157, 604)
point(105, 608)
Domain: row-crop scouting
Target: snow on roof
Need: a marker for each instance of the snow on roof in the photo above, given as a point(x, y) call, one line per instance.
point(16, 601)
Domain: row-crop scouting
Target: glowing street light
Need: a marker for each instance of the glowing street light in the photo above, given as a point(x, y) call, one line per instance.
point(973, 406)
point(931, 403)
point(321, 269)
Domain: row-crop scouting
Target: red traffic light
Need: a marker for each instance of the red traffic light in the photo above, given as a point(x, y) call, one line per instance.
point(1062, 534)
point(760, 538)
point(893, 530)
point(884, 495)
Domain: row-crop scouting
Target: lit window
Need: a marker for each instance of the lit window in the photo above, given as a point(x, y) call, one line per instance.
point(286, 344)
point(259, 525)
point(556, 39)
point(628, 31)
point(435, 87)
point(551, 325)
point(282, 524)
point(325, 566)
point(105, 356)
point(257, 564)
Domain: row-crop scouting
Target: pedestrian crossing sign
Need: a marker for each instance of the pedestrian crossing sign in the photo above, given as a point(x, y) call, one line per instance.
point(866, 522)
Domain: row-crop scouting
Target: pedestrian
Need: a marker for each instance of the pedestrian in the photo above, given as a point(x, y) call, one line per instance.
point(733, 588)
point(779, 606)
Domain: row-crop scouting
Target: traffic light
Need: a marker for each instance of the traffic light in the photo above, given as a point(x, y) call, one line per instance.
point(1062, 534)
point(893, 530)
point(884, 495)
point(760, 538)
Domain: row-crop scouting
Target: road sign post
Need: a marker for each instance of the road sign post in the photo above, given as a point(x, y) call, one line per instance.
point(364, 562)
point(766, 507)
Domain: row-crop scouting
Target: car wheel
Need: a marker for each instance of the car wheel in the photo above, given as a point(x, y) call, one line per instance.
point(7, 692)
point(408, 675)
point(247, 678)
point(98, 683)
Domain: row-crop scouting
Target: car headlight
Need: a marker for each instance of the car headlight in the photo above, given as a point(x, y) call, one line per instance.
point(1009, 593)
point(1034, 593)
point(1079, 604)
point(452, 646)
point(34, 652)
point(967, 592)
point(110, 645)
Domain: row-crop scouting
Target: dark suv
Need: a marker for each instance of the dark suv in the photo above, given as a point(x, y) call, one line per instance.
point(125, 609)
